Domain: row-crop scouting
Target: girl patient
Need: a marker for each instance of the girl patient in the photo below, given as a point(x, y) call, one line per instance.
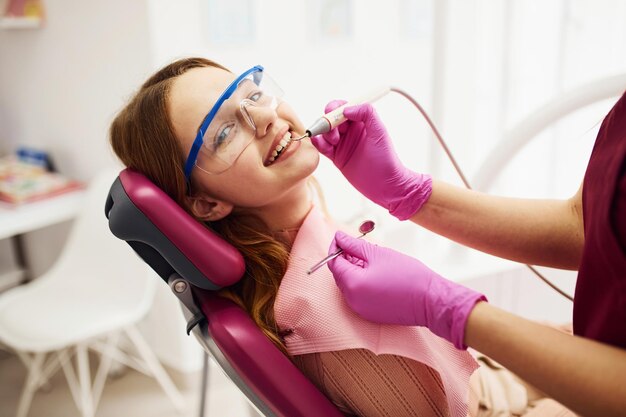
point(220, 145)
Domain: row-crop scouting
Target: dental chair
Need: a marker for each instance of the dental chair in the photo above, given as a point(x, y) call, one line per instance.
point(195, 262)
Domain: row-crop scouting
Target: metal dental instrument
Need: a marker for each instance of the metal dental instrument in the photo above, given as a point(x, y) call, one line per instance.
point(334, 118)
point(365, 227)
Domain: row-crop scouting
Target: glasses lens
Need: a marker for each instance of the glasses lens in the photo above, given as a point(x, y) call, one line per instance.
point(233, 127)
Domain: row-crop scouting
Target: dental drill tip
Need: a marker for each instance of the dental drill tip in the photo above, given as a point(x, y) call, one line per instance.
point(306, 135)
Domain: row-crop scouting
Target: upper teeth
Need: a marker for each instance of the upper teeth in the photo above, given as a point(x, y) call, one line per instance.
point(286, 140)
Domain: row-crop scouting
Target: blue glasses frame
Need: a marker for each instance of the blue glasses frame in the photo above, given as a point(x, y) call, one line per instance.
point(257, 72)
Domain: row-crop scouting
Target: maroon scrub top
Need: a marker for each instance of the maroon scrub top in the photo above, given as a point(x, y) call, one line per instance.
point(600, 300)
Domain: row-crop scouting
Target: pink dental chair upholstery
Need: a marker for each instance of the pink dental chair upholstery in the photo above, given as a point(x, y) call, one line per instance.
point(195, 262)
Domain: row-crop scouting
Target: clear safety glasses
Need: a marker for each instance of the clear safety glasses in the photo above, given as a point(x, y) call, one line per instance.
point(230, 125)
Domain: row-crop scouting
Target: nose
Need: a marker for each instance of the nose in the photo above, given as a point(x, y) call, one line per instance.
point(260, 117)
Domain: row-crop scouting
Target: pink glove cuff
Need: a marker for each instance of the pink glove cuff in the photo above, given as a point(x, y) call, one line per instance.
point(419, 187)
point(460, 316)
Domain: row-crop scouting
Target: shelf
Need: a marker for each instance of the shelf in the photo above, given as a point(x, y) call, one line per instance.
point(20, 22)
point(27, 217)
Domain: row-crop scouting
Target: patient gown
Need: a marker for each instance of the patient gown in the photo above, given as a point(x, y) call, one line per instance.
point(369, 369)
point(313, 316)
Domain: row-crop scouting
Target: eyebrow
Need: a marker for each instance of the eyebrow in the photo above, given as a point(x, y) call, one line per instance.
point(243, 82)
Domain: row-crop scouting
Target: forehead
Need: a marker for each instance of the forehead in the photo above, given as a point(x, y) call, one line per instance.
point(191, 97)
point(200, 86)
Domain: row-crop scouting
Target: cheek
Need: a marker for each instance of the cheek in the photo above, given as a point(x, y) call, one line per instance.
point(249, 184)
point(240, 185)
point(287, 113)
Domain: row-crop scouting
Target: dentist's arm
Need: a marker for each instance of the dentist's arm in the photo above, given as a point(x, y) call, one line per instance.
point(385, 286)
point(540, 232)
point(587, 376)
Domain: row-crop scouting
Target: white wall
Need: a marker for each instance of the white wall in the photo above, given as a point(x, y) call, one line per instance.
point(60, 85)
point(551, 47)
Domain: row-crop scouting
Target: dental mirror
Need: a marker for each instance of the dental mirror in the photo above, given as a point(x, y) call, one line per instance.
point(364, 228)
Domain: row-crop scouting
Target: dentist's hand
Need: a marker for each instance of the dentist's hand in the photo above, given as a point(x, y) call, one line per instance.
point(385, 286)
point(362, 150)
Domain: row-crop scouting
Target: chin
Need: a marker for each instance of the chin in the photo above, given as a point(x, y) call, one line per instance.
point(309, 159)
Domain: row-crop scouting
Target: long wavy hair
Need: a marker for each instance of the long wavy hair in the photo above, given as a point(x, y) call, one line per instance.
point(143, 138)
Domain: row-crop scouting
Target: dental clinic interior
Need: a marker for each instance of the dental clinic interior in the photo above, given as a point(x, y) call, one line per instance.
point(90, 327)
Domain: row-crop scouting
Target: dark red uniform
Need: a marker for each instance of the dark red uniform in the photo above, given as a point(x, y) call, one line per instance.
point(600, 300)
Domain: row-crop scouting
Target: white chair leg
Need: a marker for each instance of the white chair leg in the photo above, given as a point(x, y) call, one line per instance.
point(31, 384)
point(66, 364)
point(106, 359)
point(120, 356)
point(84, 378)
point(153, 364)
point(45, 371)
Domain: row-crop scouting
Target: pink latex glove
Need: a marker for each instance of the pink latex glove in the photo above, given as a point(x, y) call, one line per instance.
point(385, 286)
point(362, 150)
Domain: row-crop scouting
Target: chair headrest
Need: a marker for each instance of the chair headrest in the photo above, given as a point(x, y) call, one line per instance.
point(168, 238)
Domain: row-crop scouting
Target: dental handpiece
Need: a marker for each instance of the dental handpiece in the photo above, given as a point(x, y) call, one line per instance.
point(335, 118)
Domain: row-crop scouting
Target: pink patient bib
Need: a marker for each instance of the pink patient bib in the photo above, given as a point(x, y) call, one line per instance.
point(310, 310)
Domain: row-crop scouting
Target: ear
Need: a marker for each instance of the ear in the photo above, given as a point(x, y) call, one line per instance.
point(209, 209)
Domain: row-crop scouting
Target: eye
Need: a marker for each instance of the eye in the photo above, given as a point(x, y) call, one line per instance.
point(222, 136)
point(256, 96)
